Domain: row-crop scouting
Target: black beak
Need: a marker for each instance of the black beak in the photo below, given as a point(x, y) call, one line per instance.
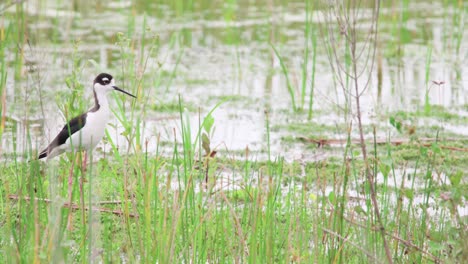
point(122, 91)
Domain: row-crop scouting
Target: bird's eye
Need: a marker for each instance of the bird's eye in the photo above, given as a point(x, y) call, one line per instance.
point(105, 80)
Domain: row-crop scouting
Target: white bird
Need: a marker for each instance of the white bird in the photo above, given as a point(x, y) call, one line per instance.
point(86, 130)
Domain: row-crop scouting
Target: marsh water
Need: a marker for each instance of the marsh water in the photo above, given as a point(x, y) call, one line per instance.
point(214, 52)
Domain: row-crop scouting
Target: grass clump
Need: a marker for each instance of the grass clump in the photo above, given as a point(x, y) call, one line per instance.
point(437, 111)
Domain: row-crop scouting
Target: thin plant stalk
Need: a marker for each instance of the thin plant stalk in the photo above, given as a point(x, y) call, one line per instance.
point(286, 75)
point(345, 15)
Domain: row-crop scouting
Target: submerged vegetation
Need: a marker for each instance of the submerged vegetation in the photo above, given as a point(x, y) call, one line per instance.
point(336, 158)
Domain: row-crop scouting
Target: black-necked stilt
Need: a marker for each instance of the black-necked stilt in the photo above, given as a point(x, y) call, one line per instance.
point(86, 130)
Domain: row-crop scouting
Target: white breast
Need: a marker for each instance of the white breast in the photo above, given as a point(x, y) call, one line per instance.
point(89, 136)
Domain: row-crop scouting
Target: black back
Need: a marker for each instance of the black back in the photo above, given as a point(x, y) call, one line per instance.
point(69, 129)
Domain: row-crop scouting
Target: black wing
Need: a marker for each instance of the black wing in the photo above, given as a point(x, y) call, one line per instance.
point(69, 129)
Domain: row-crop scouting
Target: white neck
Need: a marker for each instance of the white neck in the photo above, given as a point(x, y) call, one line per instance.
point(100, 101)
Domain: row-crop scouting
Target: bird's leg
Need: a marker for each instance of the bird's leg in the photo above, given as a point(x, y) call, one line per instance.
point(70, 192)
point(82, 179)
point(85, 159)
point(84, 166)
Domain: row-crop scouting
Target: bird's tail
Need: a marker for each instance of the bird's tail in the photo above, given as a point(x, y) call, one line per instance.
point(43, 154)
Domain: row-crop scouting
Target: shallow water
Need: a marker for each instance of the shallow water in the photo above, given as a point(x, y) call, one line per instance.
point(218, 50)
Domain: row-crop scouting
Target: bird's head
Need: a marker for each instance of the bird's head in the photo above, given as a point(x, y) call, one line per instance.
point(104, 83)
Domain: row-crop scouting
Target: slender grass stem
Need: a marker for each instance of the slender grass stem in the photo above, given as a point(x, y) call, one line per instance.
point(286, 75)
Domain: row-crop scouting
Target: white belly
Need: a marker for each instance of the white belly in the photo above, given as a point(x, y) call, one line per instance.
point(89, 136)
